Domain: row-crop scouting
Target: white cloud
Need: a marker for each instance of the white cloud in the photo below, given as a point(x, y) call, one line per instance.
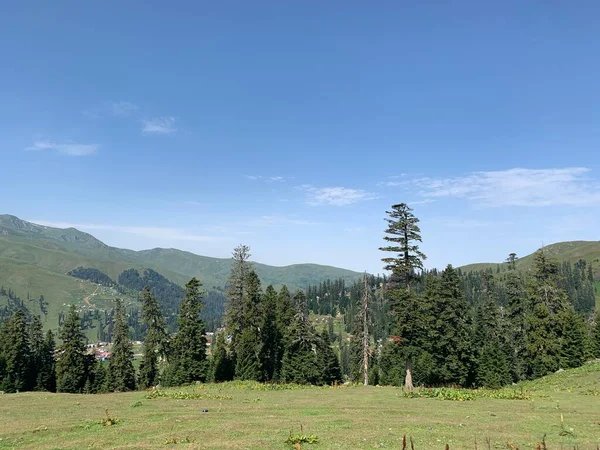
point(272, 179)
point(149, 232)
point(516, 187)
point(273, 220)
point(354, 230)
point(64, 148)
point(337, 196)
point(159, 125)
point(123, 109)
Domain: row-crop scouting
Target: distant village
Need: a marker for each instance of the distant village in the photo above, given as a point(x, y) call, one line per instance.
point(102, 350)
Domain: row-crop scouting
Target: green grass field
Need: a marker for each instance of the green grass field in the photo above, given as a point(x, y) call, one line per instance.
point(246, 416)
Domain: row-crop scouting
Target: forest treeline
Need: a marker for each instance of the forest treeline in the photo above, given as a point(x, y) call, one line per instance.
point(487, 328)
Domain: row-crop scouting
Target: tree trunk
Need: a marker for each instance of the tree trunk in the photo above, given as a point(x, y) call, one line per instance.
point(408, 384)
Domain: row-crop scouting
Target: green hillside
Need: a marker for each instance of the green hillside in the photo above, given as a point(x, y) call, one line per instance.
point(570, 251)
point(35, 260)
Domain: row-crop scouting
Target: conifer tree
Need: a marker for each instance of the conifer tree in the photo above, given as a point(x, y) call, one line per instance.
point(188, 362)
point(248, 347)
point(403, 234)
point(453, 344)
point(574, 335)
point(46, 373)
point(156, 340)
point(236, 292)
point(121, 374)
point(284, 316)
point(36, 347)
point(517, 309)
point(98, 378)
point(299, 363)
point(392, 362)
point(596, 335)
point(493, 366)
point(17, 355)
point(327, 360)
point(271, 337)
point(545, 321)
point(71, 367)
point(222, 366)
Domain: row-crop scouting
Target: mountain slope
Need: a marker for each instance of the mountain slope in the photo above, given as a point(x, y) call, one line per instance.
point(35, 260)
point(570, 251)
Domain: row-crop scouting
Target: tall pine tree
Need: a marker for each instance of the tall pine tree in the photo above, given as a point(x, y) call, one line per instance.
point(403, 235)
point(121, 374)
point(248, 348)
point(72, 365)
point(596, 335)
point(236, 292)
point(545, 321)
point(221, 364)
point(17, 355)
point(299, 363)
point(188, 362)
point(271, 335)
point(155, 344)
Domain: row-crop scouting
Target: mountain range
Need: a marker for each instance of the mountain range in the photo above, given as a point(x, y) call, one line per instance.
point(36, 260)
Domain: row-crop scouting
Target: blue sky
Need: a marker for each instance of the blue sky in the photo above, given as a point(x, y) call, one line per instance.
point(292, 126)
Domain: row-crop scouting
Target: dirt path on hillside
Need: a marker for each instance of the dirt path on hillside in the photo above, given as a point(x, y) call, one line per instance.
point(86, 300)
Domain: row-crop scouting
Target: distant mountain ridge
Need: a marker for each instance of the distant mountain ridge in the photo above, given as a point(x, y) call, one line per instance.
point(36, 259)
point(569, 251)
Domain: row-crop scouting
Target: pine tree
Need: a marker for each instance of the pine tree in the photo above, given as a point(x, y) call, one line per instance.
point(188, 362)
point(403, 234)
point(493, 366)
point(299, 363)
point(98, 381)
point(596, 335)
point(545, 321)
point(271, 336)
point(236, 292)
point(365, 338)
point(284, 315)
point(36, 346)
point(574, 335)
point(512, 261)
point(71, 367)
point(222, 366)
point(452, 348)
point(517, 310)
point(328, 361)
point(45, 364)
point(392, 363)
point(248, 348)
point(248, 365)
point(155, 344)
point(17, 355)
point(121, 374)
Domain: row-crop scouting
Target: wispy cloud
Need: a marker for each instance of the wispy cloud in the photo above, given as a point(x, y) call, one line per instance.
point(272, 179)
point(515, 187)
point(150, 232)
point(159, 125)
point(337, 196)
point(64, 148)
point(123, 109)
point(193, 203)
point(354, 230)
point(274, 220)
point(117, 109)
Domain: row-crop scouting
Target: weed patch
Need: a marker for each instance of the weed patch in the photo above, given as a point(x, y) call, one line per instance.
point(186, 395)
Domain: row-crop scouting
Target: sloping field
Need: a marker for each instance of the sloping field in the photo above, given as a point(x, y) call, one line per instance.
point(246, 416)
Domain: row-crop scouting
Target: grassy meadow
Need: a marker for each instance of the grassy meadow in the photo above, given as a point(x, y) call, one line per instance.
point(254, 416)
